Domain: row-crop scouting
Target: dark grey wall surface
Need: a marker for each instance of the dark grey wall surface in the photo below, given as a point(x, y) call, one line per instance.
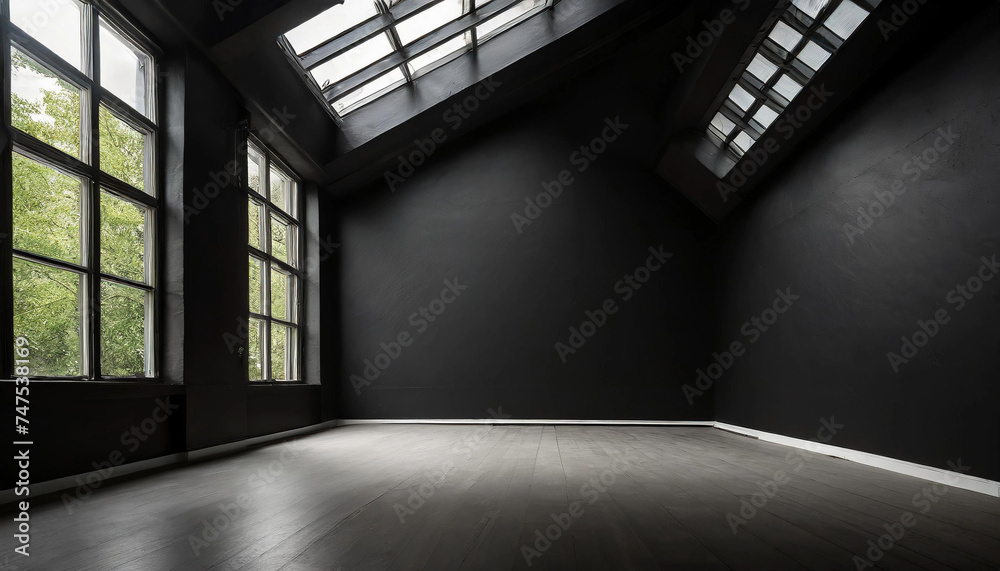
point(494, 346)
point(828, 355)
point(203, 293)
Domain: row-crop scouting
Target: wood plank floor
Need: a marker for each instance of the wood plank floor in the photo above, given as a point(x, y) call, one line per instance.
point(481, 497)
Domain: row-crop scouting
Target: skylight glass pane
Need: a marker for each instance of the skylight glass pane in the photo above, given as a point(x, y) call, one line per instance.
point(330, 24)
point(507, 18)
point(742, 98)
point(57, 25)
point(787, 87)
point(845, 19)
point(785, 36)
point(762, 68)
point(765, 116)
point(428, 59)
point(813, 55)
point(352, 61)
point(421, 24)
point(723, 125)
point(743, 141)
point(373, 87)
point(811, 7)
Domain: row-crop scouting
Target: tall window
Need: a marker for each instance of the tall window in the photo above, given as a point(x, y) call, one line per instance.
point(275, 277)
point(81, 108)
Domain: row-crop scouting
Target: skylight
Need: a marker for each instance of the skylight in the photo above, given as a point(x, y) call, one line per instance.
point(802, 40)
point(360, 50)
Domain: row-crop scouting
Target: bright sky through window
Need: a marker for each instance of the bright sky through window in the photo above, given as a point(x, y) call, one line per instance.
point(358, 51)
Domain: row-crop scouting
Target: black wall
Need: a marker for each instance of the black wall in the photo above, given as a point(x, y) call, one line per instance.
point(203, 297)
point(495, 345)
point(827, 356)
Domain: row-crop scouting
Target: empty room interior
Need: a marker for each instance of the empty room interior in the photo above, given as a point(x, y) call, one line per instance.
point(500, 284)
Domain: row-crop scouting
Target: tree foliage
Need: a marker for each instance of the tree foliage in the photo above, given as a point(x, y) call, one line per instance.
point(48, 211)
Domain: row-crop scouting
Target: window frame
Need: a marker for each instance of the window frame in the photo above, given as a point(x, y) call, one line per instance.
point(384, 23)
point(94, 182)
point(272, 264)
point(788, 64)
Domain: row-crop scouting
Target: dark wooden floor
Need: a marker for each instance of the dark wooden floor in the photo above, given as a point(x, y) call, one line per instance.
point(337, 499)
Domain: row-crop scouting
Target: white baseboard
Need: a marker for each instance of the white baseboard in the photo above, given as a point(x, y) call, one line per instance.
point(69, 482)
point(938, 475)
point(512, 421)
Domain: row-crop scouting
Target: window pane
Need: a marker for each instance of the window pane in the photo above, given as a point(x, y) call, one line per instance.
point(123, 330)
point(742, 98)
point(723, 125)
point(279, 353)
point(280, 295)
point(255, 169)
point(787, 87)
point(383, 82)
point(255, 212)
point(845, 19)
point(47, 211)
point(506, 19)
point(330, 24)
point(422, 23)
point(434, 56)
point(813, 55)
point(352, 61)
point(123, 150)
point(123, 238)
point(762, 68)
point(811, 7)
point(765, 116)
point(123, 68)
point(255, 355)
point(44, 106)
point(56, 25)
point(256, 286)
point(282, 241)
point(47, 313)
point(281, 191)
point(785, 36)
point(744, 141)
